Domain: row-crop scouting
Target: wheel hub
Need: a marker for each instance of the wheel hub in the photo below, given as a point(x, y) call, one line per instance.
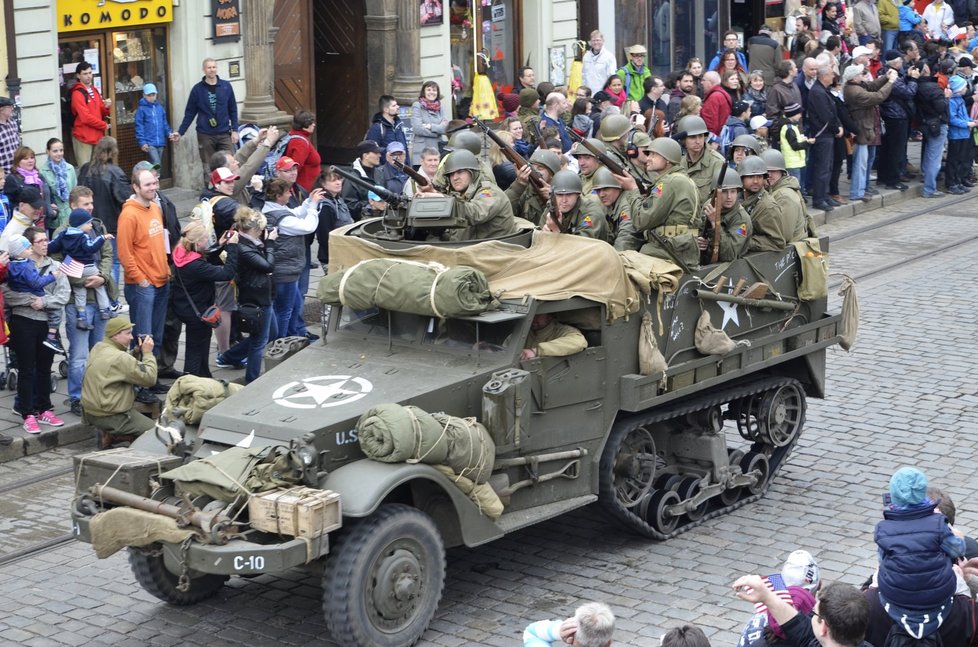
point(396, 587)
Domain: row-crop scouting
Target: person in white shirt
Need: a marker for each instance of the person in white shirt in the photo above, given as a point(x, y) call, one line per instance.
point(599, 63)
point(939, 16)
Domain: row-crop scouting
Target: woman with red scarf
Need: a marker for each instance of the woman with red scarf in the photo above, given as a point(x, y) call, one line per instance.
point(429, 119)
point(615, 88)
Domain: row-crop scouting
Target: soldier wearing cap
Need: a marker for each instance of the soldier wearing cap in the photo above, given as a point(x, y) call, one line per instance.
point(528, 201)
point(107, 394)
point(786, 192)
point(576, 214)
point(769, 227)
point(619, 205)
point(701, 163)
point(735, 223)
point(669, 217)
point(635, 71)
point(9, 133)
point(481, 209)
point(587, 163)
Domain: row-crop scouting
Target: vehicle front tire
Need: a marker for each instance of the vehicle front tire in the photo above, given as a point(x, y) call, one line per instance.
point(384, 579)
point(152, 575)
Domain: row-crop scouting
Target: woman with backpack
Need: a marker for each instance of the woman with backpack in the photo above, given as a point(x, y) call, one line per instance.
point(302, 149)
point(110, 189)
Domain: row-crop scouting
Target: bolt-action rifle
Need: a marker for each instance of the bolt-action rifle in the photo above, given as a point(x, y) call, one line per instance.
point(510, 153)
point(610, 163)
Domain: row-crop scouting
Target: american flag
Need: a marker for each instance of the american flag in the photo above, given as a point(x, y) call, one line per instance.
point(71, 267)
point(774, 583)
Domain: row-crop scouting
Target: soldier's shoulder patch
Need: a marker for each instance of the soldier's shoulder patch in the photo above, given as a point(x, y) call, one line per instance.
point(485, 193)
point(742, 230)
point(586, 222)
point(657, 189)
point(623, 216)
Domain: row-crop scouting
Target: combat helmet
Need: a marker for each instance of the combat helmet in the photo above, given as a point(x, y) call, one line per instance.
point(461, 160)
point(465, 140)
point(745, 141)
point(567, 182)
point(579, 148)
point(691, 125)
point(774, 159)
point(752, 165)
point(731, 180)
point(613, 127)
point(547, 159)
point(604, 179)
point(668, 148)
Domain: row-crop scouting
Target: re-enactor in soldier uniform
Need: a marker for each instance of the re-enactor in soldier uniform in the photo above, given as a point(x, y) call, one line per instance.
point(587, 163)
point(787, 193)
point(670, 215)
point(111, 372)
point(528, 201)
point(771, 233)
point(577, 214)
point(462, 140)
point(616, 131)
point(735, 224)
point(619, 206)
point(701, 163)
point(549, 338)
point(481, 209)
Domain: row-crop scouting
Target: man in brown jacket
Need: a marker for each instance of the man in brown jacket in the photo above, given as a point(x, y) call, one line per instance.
point(863, 96)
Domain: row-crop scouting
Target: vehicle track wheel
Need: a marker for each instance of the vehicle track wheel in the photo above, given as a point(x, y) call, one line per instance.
point(729, 497)
point(688, 488)
point(782, 413)
point(668, 482)
point(383, 581)
point(746, 412)
point(634, 467)
point(755, 461)
point(12, 380)
point(656, 514)
point(151, 573)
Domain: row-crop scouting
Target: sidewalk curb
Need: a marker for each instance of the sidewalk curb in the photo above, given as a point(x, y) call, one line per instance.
point(35, 444)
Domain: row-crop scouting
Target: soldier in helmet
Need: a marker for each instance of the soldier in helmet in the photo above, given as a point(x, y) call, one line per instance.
point(618, 208)
point(587, 163)
point(741, 147)
point(576, 214)
point(481, 209)
point(700, 162)
point(669, 217)
point(735, 224)
point(787, 193)
point(769, 228)
point(616, 132)
point(463, 140)
point(526, 199)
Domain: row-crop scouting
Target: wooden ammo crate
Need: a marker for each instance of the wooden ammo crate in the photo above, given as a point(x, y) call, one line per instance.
point(297, 512)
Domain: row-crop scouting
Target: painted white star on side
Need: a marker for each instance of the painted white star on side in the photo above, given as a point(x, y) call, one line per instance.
point(323, 391)
point(729, 313)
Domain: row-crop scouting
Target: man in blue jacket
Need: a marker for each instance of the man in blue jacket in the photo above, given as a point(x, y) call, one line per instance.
point(212, 103)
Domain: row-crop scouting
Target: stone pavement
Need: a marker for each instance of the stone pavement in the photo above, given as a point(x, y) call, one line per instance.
point(73, 431)
point(905, 395)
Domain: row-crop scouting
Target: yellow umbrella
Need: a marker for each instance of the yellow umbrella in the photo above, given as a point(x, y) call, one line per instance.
point(576, 78)
point(484, 104)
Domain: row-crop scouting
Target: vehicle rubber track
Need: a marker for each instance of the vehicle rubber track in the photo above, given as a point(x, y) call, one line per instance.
point(776, 455)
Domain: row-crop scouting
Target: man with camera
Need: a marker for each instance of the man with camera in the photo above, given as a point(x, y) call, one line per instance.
point(107, 395)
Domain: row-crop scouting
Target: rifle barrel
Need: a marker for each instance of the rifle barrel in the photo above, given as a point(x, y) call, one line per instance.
point(384, 193)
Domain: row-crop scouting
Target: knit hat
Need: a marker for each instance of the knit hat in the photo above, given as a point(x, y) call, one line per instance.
point(78, 218)
point(17, 245)
point(892, 55)
point(908, 487)
point(956, 83)
point(739, 108)
point(528, 96)
point(792, 109)
point(852, 72)
point(801, 569)
point(116, 325)
point(510, 101)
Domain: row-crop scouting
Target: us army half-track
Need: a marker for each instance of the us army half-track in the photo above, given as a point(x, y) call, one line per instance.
point(662, 448)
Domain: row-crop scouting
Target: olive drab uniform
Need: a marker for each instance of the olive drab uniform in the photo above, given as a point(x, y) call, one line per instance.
point(703, 171)
point(631, 163)
point(672, 211)
point(621, 221)
point(771, 233)
point(556, 340)
point(441, 182)
point(482, 212)
point(587, 219)
point(735, 235)
point(787, 193)
point(527, 203)
point(587, 183)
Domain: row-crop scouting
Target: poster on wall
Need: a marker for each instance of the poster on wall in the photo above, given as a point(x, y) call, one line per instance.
point(431, 12)
point(227, 20)
point(558, 65)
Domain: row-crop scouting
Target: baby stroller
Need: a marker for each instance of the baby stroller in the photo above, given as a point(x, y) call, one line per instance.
point(8, 377)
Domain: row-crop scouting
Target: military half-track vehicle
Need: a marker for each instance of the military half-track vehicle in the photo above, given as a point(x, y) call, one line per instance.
point(651, 449)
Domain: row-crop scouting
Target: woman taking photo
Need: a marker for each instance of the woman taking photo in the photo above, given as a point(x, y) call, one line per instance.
point(428, 120)
point(256, 260)
point(193, 290)
point(60, 178)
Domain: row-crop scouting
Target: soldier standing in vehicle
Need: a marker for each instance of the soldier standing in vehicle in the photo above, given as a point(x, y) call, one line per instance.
point(618, 208)
point(771, 233)
point(481, 209)
point(669, 216)
point(530, 202)
point(587, 163)
point(616, 132)
point(735, 224)
point(576, 214)
point(701, 163)
point(550, 338)
point(787, 193)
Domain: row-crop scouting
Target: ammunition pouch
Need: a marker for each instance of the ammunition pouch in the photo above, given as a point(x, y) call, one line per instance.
point(668, 231)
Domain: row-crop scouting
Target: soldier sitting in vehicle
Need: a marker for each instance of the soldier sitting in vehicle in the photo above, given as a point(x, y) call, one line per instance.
point(587, 163)
point(735, 224)
point(550, 338)
point(700, 162)
point(771, 232)
point(527, 200)
point(481, 209)
point(619, 206)
point(576, 214)
point(786, 191)
point(618, 133)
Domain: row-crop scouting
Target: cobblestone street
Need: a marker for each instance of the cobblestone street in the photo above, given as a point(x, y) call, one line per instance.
point(906, 395)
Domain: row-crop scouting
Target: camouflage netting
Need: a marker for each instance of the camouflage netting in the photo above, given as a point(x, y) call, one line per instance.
point(424, 288)
point(117, 528)
point(190, 396)
point(391, 433)
point(553, 268)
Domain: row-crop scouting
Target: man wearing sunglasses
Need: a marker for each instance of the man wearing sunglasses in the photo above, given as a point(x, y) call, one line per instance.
point(635, 71)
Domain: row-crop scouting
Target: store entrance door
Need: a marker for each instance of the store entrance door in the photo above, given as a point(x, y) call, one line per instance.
point(294, 80)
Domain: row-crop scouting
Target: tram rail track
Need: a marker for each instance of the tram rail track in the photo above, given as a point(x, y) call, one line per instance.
point(43, 545)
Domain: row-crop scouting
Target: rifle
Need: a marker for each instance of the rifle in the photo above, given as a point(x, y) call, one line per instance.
point(610, 163)
point(554, 214)
point(383, 193)
point(419, 179)
point(715, 256)
point(510, 153)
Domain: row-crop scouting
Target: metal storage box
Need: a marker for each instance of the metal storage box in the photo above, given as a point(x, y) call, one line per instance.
point(125, 469)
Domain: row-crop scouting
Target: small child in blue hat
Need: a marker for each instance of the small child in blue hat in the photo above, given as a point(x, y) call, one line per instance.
point(79, 243)
point(23, 276)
